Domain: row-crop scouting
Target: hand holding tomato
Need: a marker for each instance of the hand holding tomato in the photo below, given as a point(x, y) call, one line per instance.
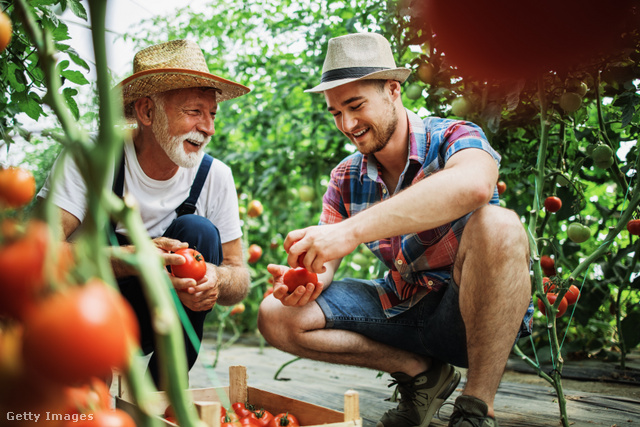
point(301, 295)
point(194, 266)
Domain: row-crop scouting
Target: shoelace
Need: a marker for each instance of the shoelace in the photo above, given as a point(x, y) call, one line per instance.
point(406, 391)
point(459, 416)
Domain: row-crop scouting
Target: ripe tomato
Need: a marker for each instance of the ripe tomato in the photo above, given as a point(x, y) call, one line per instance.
point(229, 417)
point(255, 253)
point(263, 417)
point(17, 187)
point(241, 409)
point(562, 308)
point(87, 397)
point(299, 276)
point(578, 233)
point(110, 418)
point(548, 285)
point(195, 266)
point(237, 309)
point(255, 209)
point(22, 264)
point(572, 295)
point(285, 419)
point(502, 187)
point(249, 421)
point(552, 204)
point(546, 262)
point(79, 333)
point(634, 227)
point(5, 31)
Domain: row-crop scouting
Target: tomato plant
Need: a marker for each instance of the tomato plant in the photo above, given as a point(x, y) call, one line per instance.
point(551, 297)
point(79, 333)
point(299, 276)
point(5, 31)
point(285, 419)
point(552, 204)
point(17, 187)
point(255, 253)
point(633, 227)
point(194, 267)
point(578, 233)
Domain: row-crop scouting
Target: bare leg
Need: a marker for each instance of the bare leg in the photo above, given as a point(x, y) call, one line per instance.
point(300, 331)
point(492, 270)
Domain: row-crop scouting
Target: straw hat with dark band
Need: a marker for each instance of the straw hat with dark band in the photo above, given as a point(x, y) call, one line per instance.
point(363, 56)
point(178, 64)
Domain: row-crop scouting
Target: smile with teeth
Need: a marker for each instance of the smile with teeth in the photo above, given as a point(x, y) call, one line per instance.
point(194, 143)
point(360, 132)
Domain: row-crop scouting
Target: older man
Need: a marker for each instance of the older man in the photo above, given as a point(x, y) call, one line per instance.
point(421, 194)
point(186, 198)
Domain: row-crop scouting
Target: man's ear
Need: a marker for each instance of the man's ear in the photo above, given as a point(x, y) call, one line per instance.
point(145, 109)
point(393, 89)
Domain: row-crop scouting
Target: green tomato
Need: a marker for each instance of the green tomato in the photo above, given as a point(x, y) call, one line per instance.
point(578, 233)
point(602, 156)
point(460, 107)
point(414, 91)
point(426, 73)
point(570, 102)
point(306, 193)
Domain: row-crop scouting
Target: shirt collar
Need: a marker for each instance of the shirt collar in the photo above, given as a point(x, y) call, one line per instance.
point(417, 152)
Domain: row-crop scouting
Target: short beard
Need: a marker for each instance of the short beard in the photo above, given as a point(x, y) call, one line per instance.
point(385, 131)
point(173, 146)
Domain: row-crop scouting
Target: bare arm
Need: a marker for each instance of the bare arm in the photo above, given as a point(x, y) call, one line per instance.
point(466, 183)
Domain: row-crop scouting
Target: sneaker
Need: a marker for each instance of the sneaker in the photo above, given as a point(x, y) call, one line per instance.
point(420, 396)
point(469, 411)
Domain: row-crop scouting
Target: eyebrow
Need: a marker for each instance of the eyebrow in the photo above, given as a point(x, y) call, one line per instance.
point(347, 102)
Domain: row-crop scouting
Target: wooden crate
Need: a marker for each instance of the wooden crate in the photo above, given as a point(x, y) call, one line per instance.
point(208, 402)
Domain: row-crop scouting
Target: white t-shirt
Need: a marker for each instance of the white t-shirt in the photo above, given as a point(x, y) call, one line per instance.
point(157, 200)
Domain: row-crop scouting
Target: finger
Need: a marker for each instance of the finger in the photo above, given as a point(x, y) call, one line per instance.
point(169, 244)
point(293, 237)
point(307, 294)
point(277, 271)
point(173, 259)
point(181, 284)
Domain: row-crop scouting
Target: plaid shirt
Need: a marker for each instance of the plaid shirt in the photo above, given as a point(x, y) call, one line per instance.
point(419, 262)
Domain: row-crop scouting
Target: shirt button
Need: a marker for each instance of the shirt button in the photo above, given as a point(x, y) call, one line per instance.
point(399, 262)
point(384, 191)
point(430, 283)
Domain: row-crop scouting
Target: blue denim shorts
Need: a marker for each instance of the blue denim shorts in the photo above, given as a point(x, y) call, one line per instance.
point(433, 327)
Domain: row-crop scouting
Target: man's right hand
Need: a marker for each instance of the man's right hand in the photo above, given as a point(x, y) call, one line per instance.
point(301, 296)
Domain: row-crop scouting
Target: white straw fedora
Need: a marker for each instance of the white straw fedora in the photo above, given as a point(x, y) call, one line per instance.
point(178, 64)
point(361, 56)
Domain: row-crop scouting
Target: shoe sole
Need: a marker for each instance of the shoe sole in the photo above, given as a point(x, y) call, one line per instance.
point(443, 394)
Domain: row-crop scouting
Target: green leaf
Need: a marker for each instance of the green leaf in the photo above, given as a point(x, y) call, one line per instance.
point(75, 77)
point(78, 9)
point(68, 94)
point(61, 32)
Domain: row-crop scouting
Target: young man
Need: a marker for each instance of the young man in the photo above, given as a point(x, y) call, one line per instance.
point(173, 99)
point(421, 194)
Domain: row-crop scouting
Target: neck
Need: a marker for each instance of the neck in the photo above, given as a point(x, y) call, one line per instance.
point(152, 158)
point(393, 157)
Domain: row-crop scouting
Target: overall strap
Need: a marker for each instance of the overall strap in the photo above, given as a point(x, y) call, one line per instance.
point(189, 205)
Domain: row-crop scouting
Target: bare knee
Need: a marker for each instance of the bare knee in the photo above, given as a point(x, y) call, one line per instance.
point(498, 230)
point(282, 327)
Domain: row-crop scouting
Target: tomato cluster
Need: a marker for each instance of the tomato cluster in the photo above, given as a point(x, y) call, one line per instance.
point(569, 298)
point(246, 415)
point(59, 337)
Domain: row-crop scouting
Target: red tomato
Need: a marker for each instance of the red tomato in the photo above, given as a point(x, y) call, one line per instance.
point(572, 295)
point(17, 187)
point(634, 227)
point(249, 421)
point(87, 398)
point(552, 204)
point(229, 417)
point(195, 266)
point(285, 419)
point(255, 253)
point(255, 209)
point(502, 187)
point(22, 265)
point(115, 418)
point(79, 333)
point(562, 308)
point(548, 285)
point(241, 409)
point(263, 417)
point(546, 262)
point(299, 276)
point(237, 309)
